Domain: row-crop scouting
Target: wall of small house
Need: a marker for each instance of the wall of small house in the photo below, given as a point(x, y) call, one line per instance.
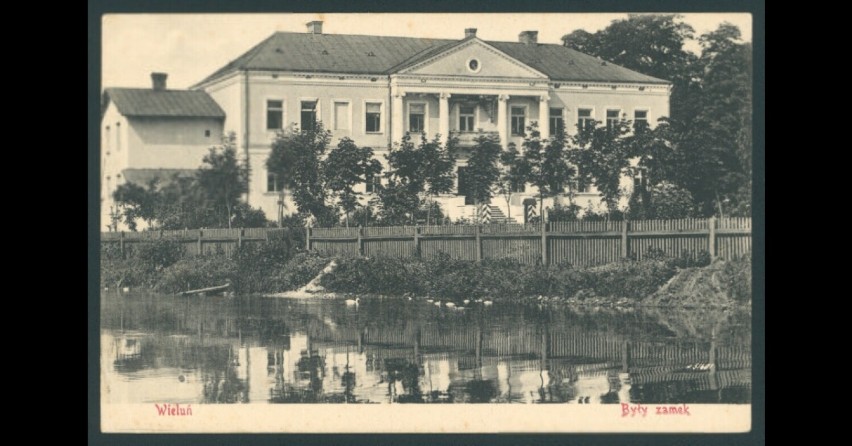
point(171, 143)
point(228, 94)
point(114, 158)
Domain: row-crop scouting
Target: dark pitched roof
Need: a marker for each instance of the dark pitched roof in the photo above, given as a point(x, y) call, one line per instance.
point(175, 103)
point(354, 54)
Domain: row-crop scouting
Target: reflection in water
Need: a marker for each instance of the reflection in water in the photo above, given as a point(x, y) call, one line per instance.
point(258, 350)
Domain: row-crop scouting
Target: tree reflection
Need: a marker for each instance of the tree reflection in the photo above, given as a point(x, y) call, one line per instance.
point(406, 373)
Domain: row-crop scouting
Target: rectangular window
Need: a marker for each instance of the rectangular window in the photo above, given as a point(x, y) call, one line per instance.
point(207, 133)
point(372, 184)
point(557, 121)
point(374, 117)
point(466, 118)
point(612, 119)
point(272, 183)
point(584, 119)
point(309, 115)
point(416, 118)
point(640, 120)
point(518, 120)
point(639, 178)
point(519, 187)
point(341, 116)
point(274, 115)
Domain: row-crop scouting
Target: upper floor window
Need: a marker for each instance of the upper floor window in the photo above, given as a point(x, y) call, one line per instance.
point(518, 186)
point(640, 120)
point(373, 117)
point(584, 119)
point(309, 115)
point(518, 120)
point(416, 118)
point(612, 119)
point(274, 115)
point(639, 180)
point(466, 118)
point(557, 121)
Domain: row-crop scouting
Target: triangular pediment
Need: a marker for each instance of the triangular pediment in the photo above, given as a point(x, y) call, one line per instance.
point(472, 58)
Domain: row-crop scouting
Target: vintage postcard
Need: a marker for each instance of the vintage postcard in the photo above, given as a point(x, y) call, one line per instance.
point(442, 223)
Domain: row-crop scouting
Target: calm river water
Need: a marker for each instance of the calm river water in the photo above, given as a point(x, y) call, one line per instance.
point(270, 350)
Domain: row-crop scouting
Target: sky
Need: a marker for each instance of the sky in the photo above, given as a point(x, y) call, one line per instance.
point(189, 47)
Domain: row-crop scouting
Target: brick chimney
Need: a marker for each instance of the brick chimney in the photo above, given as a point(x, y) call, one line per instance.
point(315, 27)
point(158, 81)
point(528, 37)
point(469, 32)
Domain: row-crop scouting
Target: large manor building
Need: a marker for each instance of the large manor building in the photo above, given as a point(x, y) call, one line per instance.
point(372, 89)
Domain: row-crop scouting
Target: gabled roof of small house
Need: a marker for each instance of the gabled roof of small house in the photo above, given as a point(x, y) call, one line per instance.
point(162, 103)
point(382, 55)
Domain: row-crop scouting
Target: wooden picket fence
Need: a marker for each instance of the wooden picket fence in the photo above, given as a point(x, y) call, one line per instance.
point(580, 243)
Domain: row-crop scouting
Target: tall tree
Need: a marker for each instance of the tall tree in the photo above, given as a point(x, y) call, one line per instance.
point(515, 172)
point(651, 44)
point(295, 158)
point(546, 164)
point(346, 166)
point(483, 170)
point(223, 177)
point(602, 158)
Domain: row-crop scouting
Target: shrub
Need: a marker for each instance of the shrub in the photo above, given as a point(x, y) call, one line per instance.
point(199, 272)
point(158, 254)
point(298, 271)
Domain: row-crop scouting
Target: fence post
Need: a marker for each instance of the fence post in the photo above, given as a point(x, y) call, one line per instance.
point(200, 234)
point(544, 259)
point(240, 238)
point(308, 239)
point(417, 241)
point(478, 233)
point(360, 241)
point(711, 242)
point(121, 243)
point(625, 248)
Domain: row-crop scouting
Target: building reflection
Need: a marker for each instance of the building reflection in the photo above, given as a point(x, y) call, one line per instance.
point(268, 352)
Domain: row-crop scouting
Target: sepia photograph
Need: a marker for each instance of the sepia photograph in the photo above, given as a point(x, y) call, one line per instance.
point(423, 222)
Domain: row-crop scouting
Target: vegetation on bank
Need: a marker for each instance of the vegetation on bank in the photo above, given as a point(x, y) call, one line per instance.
point(160, 265)
point(281, 265)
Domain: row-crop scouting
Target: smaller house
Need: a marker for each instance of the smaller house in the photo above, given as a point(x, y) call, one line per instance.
point(153, 133)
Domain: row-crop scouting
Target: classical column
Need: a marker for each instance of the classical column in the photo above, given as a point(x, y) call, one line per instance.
point(444, 115)
point(502, 119)
point(544, 116)
point(398, 117)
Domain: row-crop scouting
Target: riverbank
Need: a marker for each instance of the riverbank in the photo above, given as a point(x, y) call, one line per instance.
point(278, 267)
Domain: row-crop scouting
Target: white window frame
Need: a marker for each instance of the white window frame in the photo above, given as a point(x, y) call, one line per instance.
point(266, 189)
point(593, 115)
point(527, 120)
point(425, 116)
point(550, 117)
point(475, 117)
point(334, 103)
point(383, 117)
point(318, 110)
point(647, 115)
point(610, 108)
point(266, 113)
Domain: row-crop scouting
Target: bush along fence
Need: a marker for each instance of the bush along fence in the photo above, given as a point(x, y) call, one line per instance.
point(201, 241)
point(580, 243)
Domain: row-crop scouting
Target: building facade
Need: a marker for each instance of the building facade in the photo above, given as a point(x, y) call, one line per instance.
point(152, 133)
point(375, 89)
